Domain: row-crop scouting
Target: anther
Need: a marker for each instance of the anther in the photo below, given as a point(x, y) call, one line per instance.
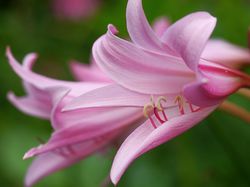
point(148, 108)
point(180, 101)
point(159, 101)
point(159, 106)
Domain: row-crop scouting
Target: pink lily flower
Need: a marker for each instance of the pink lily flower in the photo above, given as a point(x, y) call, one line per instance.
point(75, 9)
point(168, 68)
point(78, 133)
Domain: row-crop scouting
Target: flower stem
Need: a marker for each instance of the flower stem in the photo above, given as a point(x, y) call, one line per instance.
point(235, 110)
point(244, 92)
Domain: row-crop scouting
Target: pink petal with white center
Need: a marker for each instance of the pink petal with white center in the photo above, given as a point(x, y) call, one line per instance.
point(48, 163)
point(139, 70)
point(42, 82)
point(227, 54)
point(160, 25)
point(139, 29)
point(84, 72)
point(145, 138)
point(189, 35)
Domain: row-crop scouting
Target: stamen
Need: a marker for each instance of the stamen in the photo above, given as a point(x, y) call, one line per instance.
point(159, 100)
point(158, 116)
point(160, 108)
point(180, 101)
point(151, 108)
point(152, 100)
point(152, 122)
point(235, 110)
point(147, 110)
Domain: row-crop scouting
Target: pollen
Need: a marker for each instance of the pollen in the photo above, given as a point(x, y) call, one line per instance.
point(159, 102)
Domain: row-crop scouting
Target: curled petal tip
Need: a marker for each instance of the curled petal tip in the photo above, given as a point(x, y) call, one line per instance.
point(112, 29)
point(30, 153)
point(27, 155)
point(114, 181)
point(8, 51)
point(10, 96)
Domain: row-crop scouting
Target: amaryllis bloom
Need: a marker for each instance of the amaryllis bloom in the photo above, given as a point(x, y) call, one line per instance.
point(165, 75)
point(78, 133)
point(75, 9)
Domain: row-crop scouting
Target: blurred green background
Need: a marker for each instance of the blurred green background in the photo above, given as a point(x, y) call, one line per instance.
point(213, 154)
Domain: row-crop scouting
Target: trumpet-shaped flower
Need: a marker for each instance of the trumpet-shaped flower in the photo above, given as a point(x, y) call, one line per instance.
point(173, 76)
point(78, 133)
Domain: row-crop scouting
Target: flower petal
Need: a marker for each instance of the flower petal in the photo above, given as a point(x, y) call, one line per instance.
point(137, 69)
point(145, 138)
point(48, 163)
point(31, 106)
point(42, 82)
point(82, 125)
point(227, 54)
point(108, 96)
point(160, 26)
point(84, 72)
point(189, 36)
point(139, 29)
point(196, 94)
